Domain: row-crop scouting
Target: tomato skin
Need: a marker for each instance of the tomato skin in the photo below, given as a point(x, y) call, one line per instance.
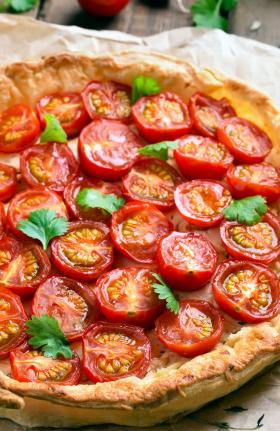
point(231, 304)
point(8, 182)
point(205, 166)
point(103, 7)
point(2, 221)
point(158, 131)
point(180, 339)
point(142, 343)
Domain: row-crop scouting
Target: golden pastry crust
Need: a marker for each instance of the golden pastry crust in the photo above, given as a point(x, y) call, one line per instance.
point(179, 387)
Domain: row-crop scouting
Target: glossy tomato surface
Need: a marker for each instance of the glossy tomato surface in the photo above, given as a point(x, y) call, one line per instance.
point(2, 221)
point(112, 351)
point(8, 182)
point(103, 7)
point(246, 291)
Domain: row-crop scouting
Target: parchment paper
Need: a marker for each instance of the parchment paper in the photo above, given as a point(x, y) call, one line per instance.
point(257, 64)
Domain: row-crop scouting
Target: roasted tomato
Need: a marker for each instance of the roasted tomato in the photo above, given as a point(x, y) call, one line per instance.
point(68, 108)
point(126, 296)
point(32, 366)
point(2, 221)
point(108, 100)
point(22, 266)
point(153, 181)
point(161, 117)
point(112, 351)
point(103, 7)
point(108, 149)
point(202, 202)
point(25, 202)
point(19, 128)
point(84, 252)
point(136, 230)
point(246, 291)
point(250, 180)
point(207, 113)
point(8, 182)
point(195, 330)
point(186, 260)
point(72, 303)
point(52, 165)
point(246, 141)
point(199, 157)
point(81, 213)
point(259, 243)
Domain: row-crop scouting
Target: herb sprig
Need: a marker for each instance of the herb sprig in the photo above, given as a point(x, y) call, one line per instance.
point(17, 5)
point(247, 211)
point(164, 292)
point(211, 13)
point(90, 198)
point(159, 150)
point(143, 86)
point(53, 131)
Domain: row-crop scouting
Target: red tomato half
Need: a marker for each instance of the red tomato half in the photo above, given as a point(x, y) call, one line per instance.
point(195, 330)
point(246, 141)
point(250, 180)
point(199, 157)
point(52, 165)
point(162, 117)
point(84, 252)
point(103, 7)
point(2, 221)
point(207, 113)
point(33, 366)
point(136, 231)
point(246, 291)
point(108, 149)
point(259, 243)
point(19, 128)
point(202, 202)
point(113, 351)
point(8, 182)
point(108, 100)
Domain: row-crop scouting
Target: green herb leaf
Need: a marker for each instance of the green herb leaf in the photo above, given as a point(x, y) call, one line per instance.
point(143, 86)
point(47, 335)
point(18, 5)
point(159, 150)
point(90, 198)
point(53, 131)
point(228, 5)
point(235, 409)
point(207, 13)
point(165, 293)
point(43, 225)
point(246, 211)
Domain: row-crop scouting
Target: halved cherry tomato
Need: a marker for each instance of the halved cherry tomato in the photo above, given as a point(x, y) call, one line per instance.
point(259, 243)
point(199, 157)
point(84, 252)
point(161, 117)
point(68, 108)
point(22, 266)
point(103, 7)
point(2, 220)
point(108, 149)
point(19, 128)
point(186, 260)
point(152, 180)
point(126, 296)
point(195, 330)
point(8, 182)
point(109, 100)
point(136, 231)
point(113, 351)
point(246, 291)
point(207, 113)
point(246, 141)
point(250, 180)
point(52, 165)
point(25, 202)
point(202, 202)
point(33, 366)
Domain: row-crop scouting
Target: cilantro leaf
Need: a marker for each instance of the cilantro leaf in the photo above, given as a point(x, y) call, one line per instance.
point(91, 198)
point(165, 293)
point(207, 13)
point(143, 86)
point(53, 131)
point(17, 5)
point(43, 225)
point(246, 211)
point(47, 335)
point(159, 150)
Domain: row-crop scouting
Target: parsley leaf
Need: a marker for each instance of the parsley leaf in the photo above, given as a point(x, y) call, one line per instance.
point(43, 225)
point(164, 292)
point(18, 5)
point(53, 131)
point(90, 198)
point(143, 86)
point(246, 211)
point(159, 150)
point(207, 13)
point(228, 5)
point(47, 335)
